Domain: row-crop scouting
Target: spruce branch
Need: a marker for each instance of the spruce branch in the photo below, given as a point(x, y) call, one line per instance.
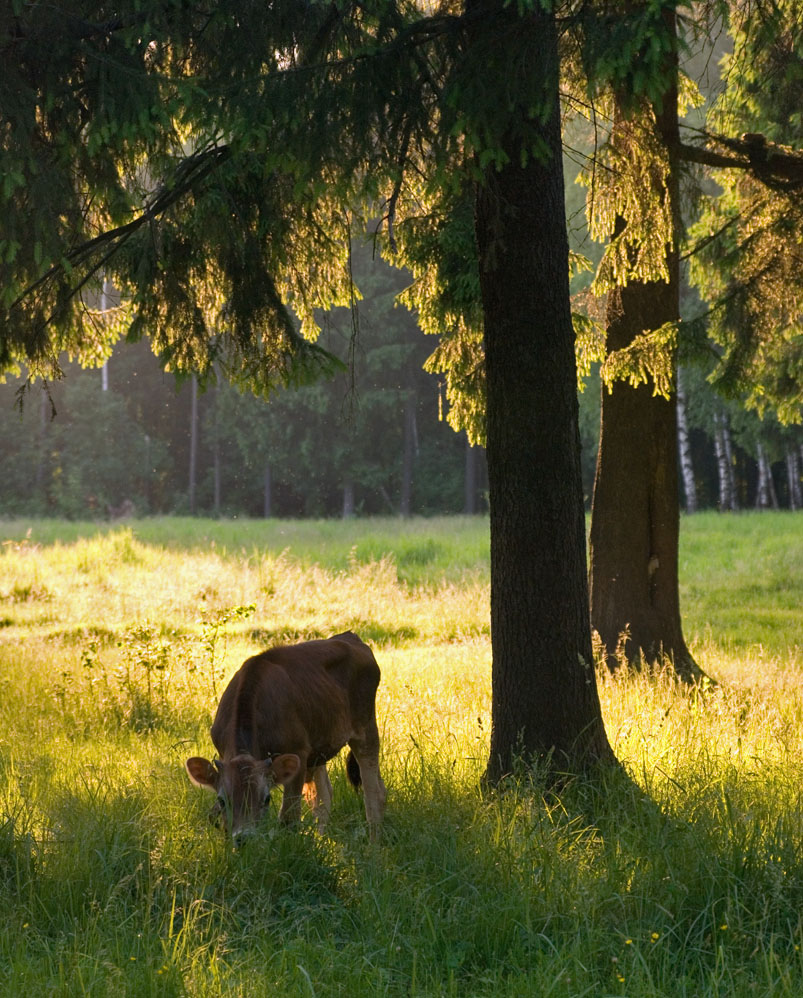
point(776, 166)
point(190, 172)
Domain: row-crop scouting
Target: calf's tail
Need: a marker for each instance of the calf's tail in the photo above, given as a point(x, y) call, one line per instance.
point(353, 771)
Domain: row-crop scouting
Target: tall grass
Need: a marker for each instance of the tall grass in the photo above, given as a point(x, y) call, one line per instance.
point(682, 877)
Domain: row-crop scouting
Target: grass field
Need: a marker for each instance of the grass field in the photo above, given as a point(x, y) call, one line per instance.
point(116, 641)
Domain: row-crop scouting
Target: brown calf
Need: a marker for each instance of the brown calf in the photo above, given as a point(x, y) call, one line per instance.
point(284, 714)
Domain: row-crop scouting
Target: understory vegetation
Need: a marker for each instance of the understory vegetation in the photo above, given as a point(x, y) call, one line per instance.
point(681, 876)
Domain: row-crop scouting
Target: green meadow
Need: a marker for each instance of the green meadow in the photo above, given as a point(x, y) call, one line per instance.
point(681, 876)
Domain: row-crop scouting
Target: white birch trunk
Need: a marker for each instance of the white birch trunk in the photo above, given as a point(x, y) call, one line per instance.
point(684, 449)
point(726, 440)
point(723, 473)
point(766, 497)
point(762, 489)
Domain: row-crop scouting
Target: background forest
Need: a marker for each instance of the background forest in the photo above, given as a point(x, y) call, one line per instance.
point(372, 440)
point(369, 440)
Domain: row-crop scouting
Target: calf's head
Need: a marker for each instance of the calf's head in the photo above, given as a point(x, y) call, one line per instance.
point(243, 785)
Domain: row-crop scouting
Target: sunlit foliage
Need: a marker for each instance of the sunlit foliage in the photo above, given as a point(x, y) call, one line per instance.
point(749, 264)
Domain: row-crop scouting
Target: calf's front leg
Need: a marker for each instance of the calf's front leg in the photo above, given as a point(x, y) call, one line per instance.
point(322, 807)
point(290, 811)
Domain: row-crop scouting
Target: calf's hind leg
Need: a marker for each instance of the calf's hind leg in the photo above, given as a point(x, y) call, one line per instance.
point(366, 752)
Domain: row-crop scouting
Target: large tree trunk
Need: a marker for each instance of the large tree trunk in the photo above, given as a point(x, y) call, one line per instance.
point(635, 522)
point(545, 701)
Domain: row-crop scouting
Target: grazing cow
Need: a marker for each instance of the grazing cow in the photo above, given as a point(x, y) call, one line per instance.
point(284, 714)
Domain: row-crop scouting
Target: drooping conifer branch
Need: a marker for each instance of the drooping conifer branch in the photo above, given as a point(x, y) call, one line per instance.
point(777, 166)
point(189, 173)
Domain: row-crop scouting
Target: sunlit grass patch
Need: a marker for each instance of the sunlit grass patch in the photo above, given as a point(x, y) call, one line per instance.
point(742, 582)
point(681, 876)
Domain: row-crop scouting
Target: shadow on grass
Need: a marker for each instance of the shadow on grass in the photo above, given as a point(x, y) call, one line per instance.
point(511, 892)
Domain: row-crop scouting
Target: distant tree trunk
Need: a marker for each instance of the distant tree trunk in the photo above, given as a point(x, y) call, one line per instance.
point(470, 496)
point(105, 289)
point(266, 492)
point(766, 497)
point(40, 477)
point(635, 516)
point(410, 448)
point(723, 477)
point(727, 442)
point(545, 701)
point(684, 449)
point(724, 454)
point(148, 474)
point(193, 440)
point(216, 456)
point(762, 488)
point(348, 500)
point(216, 472)
point(793, 478)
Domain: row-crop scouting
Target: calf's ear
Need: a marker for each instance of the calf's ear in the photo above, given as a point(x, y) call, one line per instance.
point(202, 772)
point(285, 767)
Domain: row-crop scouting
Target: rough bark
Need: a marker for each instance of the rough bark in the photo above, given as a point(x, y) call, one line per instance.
point(635, 523)
point(545, 701)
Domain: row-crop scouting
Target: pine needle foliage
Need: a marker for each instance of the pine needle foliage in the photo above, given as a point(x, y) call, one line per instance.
point(627, 204)
point(213, 165)
point(213, 178)
point(749, 263)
